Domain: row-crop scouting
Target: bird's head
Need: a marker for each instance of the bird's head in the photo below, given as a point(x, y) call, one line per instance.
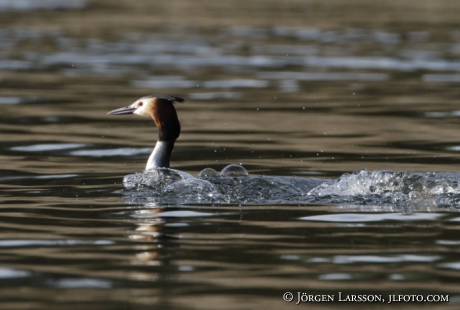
point(160, 108)
point(149, 106)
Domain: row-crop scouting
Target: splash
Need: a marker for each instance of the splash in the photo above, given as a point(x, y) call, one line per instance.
point(392, 188)
point(173, 186)
point(234, 185)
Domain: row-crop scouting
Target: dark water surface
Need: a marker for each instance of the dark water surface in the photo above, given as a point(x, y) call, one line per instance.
point(302, 89)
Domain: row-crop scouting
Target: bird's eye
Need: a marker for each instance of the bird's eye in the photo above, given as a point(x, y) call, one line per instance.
point(140, 104)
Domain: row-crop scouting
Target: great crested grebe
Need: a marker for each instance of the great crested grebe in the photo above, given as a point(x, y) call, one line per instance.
point(161, 109)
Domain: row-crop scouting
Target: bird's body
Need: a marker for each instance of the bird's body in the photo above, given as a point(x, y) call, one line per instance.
point(161, 109)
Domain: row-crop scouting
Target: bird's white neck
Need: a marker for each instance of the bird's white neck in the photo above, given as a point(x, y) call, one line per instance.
point(160, 155)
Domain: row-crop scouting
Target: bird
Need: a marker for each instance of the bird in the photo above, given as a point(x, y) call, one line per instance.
point(161, 109)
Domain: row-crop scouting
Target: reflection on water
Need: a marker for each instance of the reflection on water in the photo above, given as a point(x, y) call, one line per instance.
point(441, 77)
point(142, 54)
point(26, 5)
point(299, 93)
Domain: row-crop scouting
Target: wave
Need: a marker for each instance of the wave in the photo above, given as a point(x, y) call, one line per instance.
point(233, 185)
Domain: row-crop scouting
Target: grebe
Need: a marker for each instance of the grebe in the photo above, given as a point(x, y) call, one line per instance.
point(161, 109)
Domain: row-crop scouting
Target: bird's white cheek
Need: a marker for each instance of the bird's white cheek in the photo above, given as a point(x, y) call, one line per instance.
point(140, 111)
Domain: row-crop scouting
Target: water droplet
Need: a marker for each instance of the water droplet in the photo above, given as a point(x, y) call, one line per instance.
point(234, 170)
point(207, 172)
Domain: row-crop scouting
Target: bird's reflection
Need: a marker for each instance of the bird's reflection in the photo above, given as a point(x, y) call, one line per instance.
point(152, 233)
point(149, 229)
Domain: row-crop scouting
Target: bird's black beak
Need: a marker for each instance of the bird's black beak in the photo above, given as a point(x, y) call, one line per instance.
point(124, 110)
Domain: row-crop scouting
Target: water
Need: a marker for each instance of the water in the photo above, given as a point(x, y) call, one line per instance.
point(345, 117)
